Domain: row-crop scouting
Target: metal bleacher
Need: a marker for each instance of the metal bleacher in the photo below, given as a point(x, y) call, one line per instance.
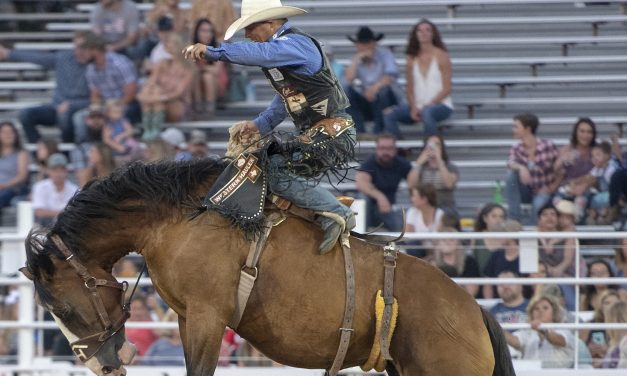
point(558, 58)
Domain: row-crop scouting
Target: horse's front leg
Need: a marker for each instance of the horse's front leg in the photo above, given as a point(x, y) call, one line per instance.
point(201, 334)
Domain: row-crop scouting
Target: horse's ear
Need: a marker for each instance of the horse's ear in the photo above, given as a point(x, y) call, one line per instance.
point(26, 273)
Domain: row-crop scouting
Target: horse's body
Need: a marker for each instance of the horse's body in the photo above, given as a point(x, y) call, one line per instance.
point(297, 305)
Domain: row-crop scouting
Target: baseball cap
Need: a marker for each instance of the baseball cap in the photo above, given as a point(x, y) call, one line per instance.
point(197, 137)
point(56, 160)
point(173, 137)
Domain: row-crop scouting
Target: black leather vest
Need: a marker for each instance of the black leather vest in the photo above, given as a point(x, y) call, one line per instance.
point(309, 99)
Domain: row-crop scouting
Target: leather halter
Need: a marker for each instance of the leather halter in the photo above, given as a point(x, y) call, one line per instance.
point(86, 347)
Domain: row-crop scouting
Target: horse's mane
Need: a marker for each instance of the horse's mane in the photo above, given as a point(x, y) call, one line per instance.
point(158, 187)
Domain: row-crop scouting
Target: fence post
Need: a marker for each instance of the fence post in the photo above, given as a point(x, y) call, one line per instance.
point(26, 341)
point(359, 208)
point(578, 277)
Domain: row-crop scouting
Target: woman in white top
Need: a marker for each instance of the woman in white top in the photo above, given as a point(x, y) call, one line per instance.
point(555, 348)
point(428, 72)
point(424, 215)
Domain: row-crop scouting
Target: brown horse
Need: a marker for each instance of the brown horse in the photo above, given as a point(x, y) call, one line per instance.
point(296, 306)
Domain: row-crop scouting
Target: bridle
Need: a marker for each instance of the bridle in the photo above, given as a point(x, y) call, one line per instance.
point(86, 347)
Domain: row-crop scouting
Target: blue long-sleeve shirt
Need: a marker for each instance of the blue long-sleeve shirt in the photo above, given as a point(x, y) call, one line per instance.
point(292, 50)
point(71, 83)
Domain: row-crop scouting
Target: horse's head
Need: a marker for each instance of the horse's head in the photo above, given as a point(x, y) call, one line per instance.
point(86, 302)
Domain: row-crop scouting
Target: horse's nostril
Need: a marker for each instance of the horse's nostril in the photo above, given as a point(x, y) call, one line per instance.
point(107, 370)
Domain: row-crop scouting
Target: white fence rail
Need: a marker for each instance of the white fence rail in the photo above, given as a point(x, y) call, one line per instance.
point(12, 256)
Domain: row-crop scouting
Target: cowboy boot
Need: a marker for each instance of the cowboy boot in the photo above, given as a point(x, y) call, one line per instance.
point(334, 227)
point(158, 119)
point(147, 134)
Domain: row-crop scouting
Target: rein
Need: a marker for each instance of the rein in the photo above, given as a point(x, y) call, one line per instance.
point(86, 347)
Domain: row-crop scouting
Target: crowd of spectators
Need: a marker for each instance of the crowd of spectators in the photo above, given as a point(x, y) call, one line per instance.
point(125, 79)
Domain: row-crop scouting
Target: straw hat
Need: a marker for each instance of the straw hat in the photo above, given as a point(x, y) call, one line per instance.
point(261, 10)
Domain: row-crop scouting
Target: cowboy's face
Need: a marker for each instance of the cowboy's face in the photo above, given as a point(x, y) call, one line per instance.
point(259, 31)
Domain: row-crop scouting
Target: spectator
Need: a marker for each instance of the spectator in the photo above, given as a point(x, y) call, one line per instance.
point(100, 163)
point(169, 146)
point(531, 176)
point(538, 288)
point(118, 22)
point(378, 179)
point(504, 259)
point(372, 74)
point(165, 28)
point(168, 349)
point(603, 170)
point(45, 148)
point(70, 93)
point(596, 339)
point(50, 196)
point(213, 81)
point(451, 252)
point(513, 308)
point(617, 153)
point(337, 67)
point(110, 76)
point(616, 356)
point(230, 344)
point(178, 18)
point(621, 263)
point(141, 338)
point(197, 147)
point(428, 72)
point(591, 299)
point(118, 132)
point(618, 194)
point(165, 96)
point(219, 12)
point(555, 348)
point(490, 215)
point(13, 164)
point(423, 215)
point(574, 163)
point(433, 167)
point(558, 254)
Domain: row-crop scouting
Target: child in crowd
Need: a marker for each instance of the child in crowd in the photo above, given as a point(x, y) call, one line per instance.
point(118, 131)
point(604, 168)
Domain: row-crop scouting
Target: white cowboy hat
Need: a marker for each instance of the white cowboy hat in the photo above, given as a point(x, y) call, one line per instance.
point(261, 10)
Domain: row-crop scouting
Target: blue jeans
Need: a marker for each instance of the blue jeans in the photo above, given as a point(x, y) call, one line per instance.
point(430, 117)
point(516, 192)
point(361, 109)
point(392, 221)
point(47, 115)
point(303, 193)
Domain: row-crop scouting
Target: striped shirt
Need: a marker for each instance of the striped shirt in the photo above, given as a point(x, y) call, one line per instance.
point(542, 167)
point(118, 72)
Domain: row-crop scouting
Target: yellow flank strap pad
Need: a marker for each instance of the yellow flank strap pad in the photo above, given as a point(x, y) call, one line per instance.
point(375, 360)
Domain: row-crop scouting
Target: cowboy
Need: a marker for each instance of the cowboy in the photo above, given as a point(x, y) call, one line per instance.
point(307, 91)
point(372, 76)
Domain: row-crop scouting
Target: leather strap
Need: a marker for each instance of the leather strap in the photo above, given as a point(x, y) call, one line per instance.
point(249, 272)
point(349, 308)
point(86, 347)
point(390, 254)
